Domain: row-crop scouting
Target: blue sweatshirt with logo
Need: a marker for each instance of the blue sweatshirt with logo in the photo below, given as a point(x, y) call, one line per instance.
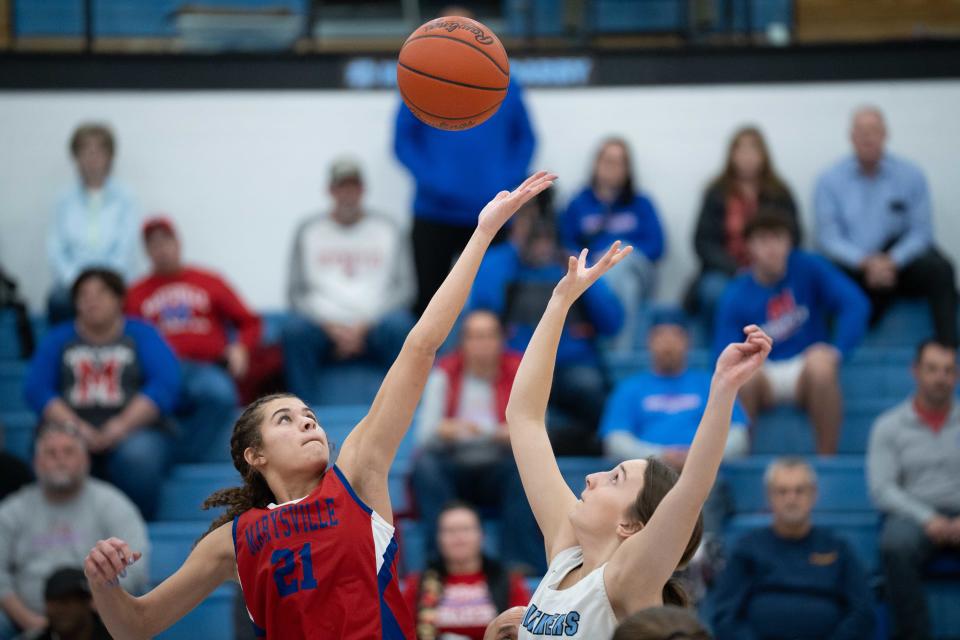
point(458, 172)
point(773, 588)
point(796, 311)
point(589, 222)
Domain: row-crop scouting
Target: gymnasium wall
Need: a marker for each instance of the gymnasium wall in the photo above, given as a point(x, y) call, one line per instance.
point(238, 169)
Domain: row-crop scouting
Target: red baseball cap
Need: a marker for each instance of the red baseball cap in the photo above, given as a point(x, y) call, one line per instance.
point(153, 223)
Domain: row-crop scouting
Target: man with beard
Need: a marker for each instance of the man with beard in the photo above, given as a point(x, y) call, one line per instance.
point(913, 471)
point(54, 522)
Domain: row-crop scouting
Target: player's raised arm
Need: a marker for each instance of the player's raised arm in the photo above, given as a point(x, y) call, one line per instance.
point(548, 493)
point(368, 452)
point(209, 565)
point(654, 552)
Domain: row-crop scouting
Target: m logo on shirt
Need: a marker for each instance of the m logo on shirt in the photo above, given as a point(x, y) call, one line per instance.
point(97, 375)
point(784, 317)
point(540, 623)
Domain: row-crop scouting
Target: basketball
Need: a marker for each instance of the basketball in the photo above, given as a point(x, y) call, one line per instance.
point(453, 73)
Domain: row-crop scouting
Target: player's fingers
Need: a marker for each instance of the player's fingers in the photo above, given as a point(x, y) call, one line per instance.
point(531, 179)
point(103, 564)
point(582, 260)
point(112, 555)
point(572, 264)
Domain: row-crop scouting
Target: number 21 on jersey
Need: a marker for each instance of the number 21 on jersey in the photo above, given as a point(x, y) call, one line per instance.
point(284, 563)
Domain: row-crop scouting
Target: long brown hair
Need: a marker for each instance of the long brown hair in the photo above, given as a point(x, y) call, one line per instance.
point(628, 190)
point(661, 623)
point(658, 480)
point(254, 493)
point(770, 183)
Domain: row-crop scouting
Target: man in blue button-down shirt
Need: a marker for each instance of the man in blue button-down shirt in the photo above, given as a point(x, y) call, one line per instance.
point(873, 219)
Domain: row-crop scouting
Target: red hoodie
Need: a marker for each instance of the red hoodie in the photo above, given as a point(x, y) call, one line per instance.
point(194, 310)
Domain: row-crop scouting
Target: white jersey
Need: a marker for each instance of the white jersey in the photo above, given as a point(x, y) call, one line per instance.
point(580, 611)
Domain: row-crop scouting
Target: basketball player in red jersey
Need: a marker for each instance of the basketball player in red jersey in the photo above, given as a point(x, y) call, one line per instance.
point(310, 542)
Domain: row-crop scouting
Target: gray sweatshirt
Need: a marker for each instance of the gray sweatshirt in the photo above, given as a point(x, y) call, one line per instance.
point(913, 471)
point(38, 537)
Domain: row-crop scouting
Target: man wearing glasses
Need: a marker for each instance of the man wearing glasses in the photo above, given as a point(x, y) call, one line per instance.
point(792, 579)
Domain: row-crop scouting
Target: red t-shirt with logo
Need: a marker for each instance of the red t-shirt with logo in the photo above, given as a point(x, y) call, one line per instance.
point(194, 310)
point(466, 606)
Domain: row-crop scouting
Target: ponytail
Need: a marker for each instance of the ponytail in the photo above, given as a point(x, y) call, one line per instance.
point(254, 493)
point(675, 594)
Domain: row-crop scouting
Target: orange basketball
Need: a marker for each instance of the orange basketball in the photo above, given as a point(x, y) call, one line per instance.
point(453, 73)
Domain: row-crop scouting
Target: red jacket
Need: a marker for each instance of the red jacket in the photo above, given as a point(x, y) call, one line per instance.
point(452, 365)
point(194, 310)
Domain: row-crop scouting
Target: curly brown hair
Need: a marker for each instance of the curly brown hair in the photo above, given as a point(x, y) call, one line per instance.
point(254, 493)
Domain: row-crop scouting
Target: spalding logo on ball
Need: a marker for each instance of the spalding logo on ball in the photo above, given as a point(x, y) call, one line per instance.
point(453, 73)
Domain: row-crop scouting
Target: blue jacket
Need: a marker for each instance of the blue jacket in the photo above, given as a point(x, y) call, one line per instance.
point(458, 172)
point(152, 370)
point(796, 311)
point(589, 222)
point(519, 295)
point(772, 588)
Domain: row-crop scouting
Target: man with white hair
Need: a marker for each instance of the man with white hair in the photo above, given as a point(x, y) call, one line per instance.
point(873, 219)
point(792, 579)
point(54, 522)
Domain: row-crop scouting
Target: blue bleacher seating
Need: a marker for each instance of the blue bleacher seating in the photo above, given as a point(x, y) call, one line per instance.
point(11, 386)
point(188, 486)
point(841, 479)
point(18, 431)
point(214, 616)
point(9, 339)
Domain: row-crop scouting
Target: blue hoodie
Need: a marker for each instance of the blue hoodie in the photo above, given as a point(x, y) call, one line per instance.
point(797, 310)
point(458, 172)
point(589, 222)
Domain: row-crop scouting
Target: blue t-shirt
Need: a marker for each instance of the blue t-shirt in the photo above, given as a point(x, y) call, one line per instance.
point(796, 311)
point(661, 410)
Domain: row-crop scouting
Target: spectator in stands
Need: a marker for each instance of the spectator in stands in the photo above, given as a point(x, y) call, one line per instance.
point(351, 282)
point(794, 296)
point(53, 523)
point(196, 311)
point(14, 473)
point(69, 606)
point(464, 446)
point(656, 413)
point(874, 220)
point(95, 222)
point(662, 623)
point(611, 208)
point(913, 471)
point(515, 281)
point(792, 579)
point(10, 299)
point(116, 381)
point(463, 590)
point(455, 174)
point(747, 183)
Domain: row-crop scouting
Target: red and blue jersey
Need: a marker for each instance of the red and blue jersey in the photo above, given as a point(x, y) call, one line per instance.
point(323, 566)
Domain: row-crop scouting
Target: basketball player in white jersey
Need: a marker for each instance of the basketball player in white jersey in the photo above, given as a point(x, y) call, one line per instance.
point(613, 551)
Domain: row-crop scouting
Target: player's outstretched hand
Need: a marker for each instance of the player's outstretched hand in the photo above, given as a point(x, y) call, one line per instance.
point(507, 203)
point(579, 277)
point(107, 562)
point(740, 360)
